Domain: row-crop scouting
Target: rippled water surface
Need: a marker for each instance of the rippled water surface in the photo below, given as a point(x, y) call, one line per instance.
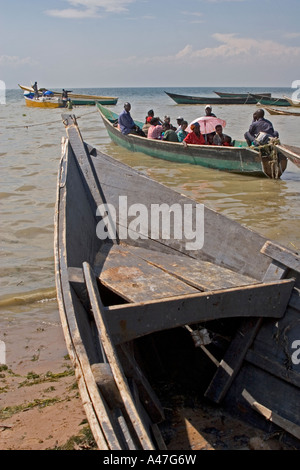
point(29, 157)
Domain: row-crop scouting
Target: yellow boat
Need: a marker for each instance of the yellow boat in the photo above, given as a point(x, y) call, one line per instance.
point(44, 102)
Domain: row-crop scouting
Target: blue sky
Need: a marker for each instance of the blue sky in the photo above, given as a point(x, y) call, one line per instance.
point(129, 43)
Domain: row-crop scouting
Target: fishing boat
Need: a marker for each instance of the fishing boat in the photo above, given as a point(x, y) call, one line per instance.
point(280, 112)
point(266, 101)
point(291, 152)
point(135, 304)
point(237, 95)
point(76, 98)
point(292, 102)
point(185, 99)
point(43, 102)
point(254, 161)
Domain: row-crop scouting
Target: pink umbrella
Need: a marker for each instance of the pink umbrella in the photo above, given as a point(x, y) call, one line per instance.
point(207, 124)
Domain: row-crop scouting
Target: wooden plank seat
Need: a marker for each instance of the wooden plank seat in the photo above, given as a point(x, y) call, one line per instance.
point(161, 292)
point(137, 274)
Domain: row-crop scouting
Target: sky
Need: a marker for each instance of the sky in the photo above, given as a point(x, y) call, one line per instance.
point(142, 43)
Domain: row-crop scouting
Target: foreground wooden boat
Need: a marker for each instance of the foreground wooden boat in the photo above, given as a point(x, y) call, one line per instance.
point(237, 159)
point(291, 152)
point(132, 305)
point(186, 99)
point(78, 99)
point(280, 112)
point(238, 95)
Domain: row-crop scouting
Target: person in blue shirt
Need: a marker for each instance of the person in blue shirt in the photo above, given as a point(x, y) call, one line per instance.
point(259, 124)
point(127, 124)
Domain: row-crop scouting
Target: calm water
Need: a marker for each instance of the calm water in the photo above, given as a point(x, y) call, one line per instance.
point(29, 158)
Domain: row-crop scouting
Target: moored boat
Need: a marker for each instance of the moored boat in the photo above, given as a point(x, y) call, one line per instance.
point(292, 101)
point(260, 161)
point(134, 306)
point(237, 95)
point(280, 112)
point(266, 101)
point(77, 98)
point(43, 102)
point(186, 99)
point(291, 152)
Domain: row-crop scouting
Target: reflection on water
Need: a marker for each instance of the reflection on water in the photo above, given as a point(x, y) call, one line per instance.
point(29, 159)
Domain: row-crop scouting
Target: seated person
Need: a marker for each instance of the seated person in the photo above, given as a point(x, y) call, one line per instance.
point(227, 141)
point(259, 124)
point(149, 116)
point(167, 119)
point(219, 137)
point(127, 124)
point(169, 134)
point(209, 138)
point(182, 133)
point(195, 136)
point(155, 129)
point(179, 122)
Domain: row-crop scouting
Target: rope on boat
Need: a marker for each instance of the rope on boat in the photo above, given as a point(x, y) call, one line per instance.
point(270, 151)
point(45, 123)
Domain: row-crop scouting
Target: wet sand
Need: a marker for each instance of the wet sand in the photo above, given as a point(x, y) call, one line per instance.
point(40, 407)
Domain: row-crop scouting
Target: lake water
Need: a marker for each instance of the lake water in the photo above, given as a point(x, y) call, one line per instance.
point(30, 153)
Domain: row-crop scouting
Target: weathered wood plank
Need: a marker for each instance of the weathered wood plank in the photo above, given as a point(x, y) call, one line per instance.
point(119, 376)
point(282, 255)
point(130, 321)
point(200, 274)
point(233, 359)
point(272, 416)
point(272, 367)
point(136, 280)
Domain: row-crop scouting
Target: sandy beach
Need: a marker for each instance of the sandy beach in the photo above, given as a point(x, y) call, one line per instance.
point(40, 407)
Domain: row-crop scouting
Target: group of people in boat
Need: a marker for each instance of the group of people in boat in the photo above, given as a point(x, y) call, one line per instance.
point(259, 131)
point(156, 128)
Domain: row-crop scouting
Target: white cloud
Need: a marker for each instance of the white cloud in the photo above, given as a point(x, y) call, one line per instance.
point(232, 47)
point(91, 8)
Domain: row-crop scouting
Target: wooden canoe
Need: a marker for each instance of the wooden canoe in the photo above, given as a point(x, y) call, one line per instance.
point(44, 102)
point(186, 99)
point(237, 159)
point(78, 99)
point(291, 152)
point(281, 112)
point(266, 101)
point(237, 95)
point(292, 102)
point(132, 305)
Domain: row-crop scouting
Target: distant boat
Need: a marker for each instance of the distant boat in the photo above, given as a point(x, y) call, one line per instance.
point(263, 100)
point(293, 102)
point(281, 112)
point(291, 152)
point(237, 159)
point(43, 102)
point(237, 95)
point(78, 99)
point(185, 99)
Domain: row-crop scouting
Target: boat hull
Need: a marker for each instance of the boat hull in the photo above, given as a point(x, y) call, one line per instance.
point(237, 95)
point(49, 103)
point(185, 99)
point(263, 101)
point(291, 152)
point(281, 112)
point(242, 160)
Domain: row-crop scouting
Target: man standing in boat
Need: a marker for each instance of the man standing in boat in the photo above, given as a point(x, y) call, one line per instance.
point(262, 126)
point(127, 124)
point(36, 90)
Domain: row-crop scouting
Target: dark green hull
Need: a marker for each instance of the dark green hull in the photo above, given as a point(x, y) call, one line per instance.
point(237, 159)
point(185, 99)
point(82, 102)
point(270, 101)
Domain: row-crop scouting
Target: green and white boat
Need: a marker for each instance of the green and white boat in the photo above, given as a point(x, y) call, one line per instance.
point(264, 161)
